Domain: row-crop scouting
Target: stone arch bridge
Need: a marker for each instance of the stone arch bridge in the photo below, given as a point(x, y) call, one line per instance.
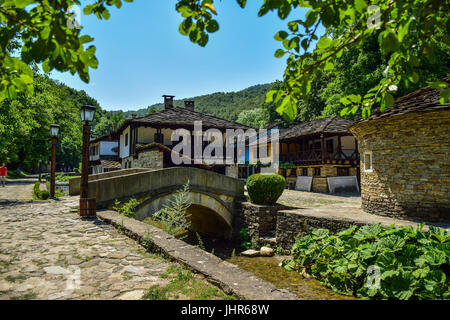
point(213, 195)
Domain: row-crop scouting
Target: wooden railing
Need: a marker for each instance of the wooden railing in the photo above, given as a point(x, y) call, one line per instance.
point(316, 156)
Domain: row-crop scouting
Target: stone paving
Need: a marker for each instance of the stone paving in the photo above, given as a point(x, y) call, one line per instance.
point(18, 190)
point(48, 252)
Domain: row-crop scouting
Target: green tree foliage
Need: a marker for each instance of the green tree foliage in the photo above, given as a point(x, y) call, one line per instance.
point(42, 31)
point(406, 31)
point(376, 262)
point(25, 124)
point(257, 118)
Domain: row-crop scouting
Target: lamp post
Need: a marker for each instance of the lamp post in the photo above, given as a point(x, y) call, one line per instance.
point(87, 206)
point(54, 130)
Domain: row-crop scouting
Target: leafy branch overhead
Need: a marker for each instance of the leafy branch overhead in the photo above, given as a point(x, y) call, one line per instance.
point(42, 31)
point(47, 32)
point(406, 31)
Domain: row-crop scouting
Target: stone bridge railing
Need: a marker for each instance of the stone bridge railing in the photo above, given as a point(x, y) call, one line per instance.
point(74, 183)
point(147, 184)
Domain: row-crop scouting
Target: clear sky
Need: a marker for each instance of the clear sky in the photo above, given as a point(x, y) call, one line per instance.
point(143, 56)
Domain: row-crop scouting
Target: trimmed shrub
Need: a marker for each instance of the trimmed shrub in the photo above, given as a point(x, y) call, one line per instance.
point(39, 194)
point(265, 188)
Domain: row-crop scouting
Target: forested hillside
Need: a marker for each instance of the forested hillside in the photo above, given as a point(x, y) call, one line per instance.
point(226, 105)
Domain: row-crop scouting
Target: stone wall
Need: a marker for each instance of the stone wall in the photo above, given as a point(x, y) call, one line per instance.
point(153, 159)
point(291, 223)
point(260, 220)
point(280, 226)
point(411, 165)
point(319, 184)
point(232, 171)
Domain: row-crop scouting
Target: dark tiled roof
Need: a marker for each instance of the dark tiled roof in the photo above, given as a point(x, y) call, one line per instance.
point(426, 99)
point(182, 117)
point(330, 125)
point(112, 136)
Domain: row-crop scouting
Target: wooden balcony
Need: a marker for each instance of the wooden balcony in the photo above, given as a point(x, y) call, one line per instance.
point(314, 157)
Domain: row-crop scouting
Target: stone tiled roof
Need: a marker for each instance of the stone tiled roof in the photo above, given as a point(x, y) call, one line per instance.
point(112, 136)
point(330, 125)
point(181, 117)
point(107, 164)
point(426, 99)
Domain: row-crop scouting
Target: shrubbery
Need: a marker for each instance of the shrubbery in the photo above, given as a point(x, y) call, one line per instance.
point(39, 194)
point(265, 188)
point(378, 262)
point(128, 208)
point(174, 217)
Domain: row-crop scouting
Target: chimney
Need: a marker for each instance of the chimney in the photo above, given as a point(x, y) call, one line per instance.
point(189, 104)
point(168, 101)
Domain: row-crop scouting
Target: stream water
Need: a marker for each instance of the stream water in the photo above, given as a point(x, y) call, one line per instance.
point(267, 268)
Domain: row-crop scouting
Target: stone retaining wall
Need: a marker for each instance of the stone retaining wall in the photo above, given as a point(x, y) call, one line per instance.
point(259, 220)
point(291, 224)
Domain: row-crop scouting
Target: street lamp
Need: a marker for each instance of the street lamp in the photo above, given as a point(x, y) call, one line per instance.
point(54, 130)
point(40, 169)
point(87, 206)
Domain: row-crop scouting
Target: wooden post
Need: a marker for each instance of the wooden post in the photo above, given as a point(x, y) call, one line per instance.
point(87, 206)
point(323, 148)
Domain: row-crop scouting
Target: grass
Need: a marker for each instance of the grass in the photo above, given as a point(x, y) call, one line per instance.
point(13, 175)
point(19, 278)
point(148, 254)
point(26, 296)
point(185, 286)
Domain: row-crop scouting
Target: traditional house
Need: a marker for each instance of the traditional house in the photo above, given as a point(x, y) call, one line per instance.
point(103, 154)
point(405, 158)
point(318, 151)
point(144, 141)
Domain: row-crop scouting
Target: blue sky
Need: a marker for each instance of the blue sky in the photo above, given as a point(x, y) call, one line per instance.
point(143, 56)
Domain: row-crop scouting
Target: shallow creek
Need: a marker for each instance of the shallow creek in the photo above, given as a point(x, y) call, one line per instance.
point(267, 268)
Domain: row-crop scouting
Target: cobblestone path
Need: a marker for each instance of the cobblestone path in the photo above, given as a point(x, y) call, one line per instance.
point(18, 190)
point(48, 252)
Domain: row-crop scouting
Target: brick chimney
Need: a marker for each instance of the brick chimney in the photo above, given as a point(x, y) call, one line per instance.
point(168, 101)
point(189, 104)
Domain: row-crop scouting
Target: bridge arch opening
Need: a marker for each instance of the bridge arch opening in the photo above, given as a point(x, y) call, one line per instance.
point(208, 214)
point(206, 221)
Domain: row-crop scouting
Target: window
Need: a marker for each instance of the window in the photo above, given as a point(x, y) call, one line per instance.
point(126, 140)
point(317, 172)
point(305, 172)
point(329, 146)
point(343, 171)
point(368, 165)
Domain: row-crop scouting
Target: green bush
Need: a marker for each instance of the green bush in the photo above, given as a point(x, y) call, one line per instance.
point(265, 188)
point(128, 208)
point(38, 194)
point(375, 262)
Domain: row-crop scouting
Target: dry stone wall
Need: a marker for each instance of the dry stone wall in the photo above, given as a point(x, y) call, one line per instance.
point(410, 176)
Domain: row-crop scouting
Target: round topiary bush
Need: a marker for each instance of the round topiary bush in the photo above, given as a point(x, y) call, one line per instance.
point(265, 188)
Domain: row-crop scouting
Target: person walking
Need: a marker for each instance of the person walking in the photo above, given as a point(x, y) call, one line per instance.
point(3, 173)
